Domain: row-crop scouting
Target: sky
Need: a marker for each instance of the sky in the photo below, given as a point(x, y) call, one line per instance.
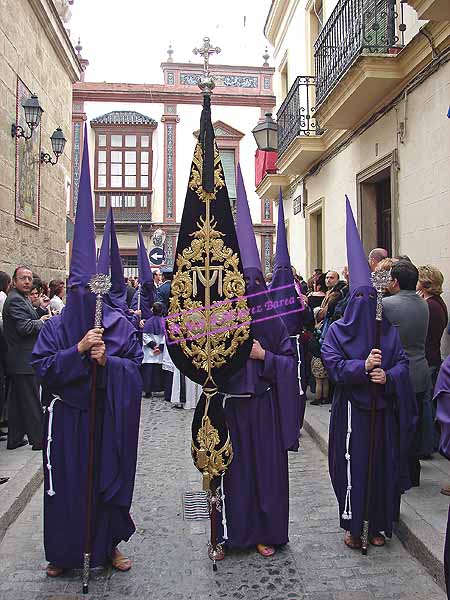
point(126, 41)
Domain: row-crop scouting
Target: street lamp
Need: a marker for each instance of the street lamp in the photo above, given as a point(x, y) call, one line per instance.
point(33, 112)
point(58, 143)
point(266, 134)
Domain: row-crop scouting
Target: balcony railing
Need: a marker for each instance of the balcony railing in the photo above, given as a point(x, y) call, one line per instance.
point(129, 208)
point(296, 116)
point(355, 27)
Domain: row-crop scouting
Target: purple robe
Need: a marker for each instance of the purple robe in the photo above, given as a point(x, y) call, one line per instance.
point(65, 373)
point(147, 300)
point(442, 398)
point(344, 351)
point(263, 427)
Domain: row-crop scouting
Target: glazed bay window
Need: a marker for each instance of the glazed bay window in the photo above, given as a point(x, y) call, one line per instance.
point(101, 177)
point(130, 167)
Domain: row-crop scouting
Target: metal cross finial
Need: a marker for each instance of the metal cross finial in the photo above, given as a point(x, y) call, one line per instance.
point(206, 50)
point(380, 281)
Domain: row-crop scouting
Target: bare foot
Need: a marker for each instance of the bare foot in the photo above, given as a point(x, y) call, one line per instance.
point(53, 570)
point(264, 550)
point(120, 562)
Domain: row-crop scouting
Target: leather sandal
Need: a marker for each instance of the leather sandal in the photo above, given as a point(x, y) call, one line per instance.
point(377, 540)
point(352, 542)
point(264, 550)
point(120, 561)
point(53, 570)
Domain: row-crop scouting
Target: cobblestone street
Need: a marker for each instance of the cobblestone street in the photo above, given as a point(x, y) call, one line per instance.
point(169, 554)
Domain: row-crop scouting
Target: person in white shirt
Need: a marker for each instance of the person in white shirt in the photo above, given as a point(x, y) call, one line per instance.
point(56, 293)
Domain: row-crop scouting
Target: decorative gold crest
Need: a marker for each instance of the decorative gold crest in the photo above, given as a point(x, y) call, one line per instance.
point(209, 335)
point(209, 461)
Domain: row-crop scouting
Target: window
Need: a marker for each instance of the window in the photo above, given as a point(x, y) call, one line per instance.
point(130, 169)
point(145, 141)
point(130, 141)
point(116, 156)
point(144, 157)
point(116, 181)
point(102, 140)
point(284, 80)
point(116, 168)
point(130, 201)
point(144, 169)
point(143, 201)
point(116, 140)
point(130, 181)
point(129, 261)
point(266, 210)
point(101, 179)
point(130, 157)
point(315, 26)
point(116, 201)
point(102, 201)
point(297, 205)
point(229, 168)
point(144, 181)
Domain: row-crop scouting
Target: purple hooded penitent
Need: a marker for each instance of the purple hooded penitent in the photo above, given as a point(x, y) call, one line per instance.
point(264, 424)
point(110, 263)
point(147, 287)
point(288, 303)
point(347, 345)
point(442, 398)
point(65, 376)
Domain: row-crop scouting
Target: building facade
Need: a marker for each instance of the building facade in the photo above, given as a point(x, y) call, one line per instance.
point(363, 91)
point(36, 57)
point(240, 100)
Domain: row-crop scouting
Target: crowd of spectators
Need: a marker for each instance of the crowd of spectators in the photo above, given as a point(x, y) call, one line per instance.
point(413, 303)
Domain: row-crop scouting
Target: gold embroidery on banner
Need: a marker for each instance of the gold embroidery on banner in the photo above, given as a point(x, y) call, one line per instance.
point(195, 180)
point(209, 461)
point(226, 320)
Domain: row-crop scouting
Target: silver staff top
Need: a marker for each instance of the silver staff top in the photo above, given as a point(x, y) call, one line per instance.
point(100, 284)
point(206, 82)
point(380, 281)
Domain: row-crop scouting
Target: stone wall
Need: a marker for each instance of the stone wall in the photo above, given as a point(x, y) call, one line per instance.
point(34, 47)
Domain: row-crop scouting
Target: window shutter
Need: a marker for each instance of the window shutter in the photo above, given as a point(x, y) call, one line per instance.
point(229, 169)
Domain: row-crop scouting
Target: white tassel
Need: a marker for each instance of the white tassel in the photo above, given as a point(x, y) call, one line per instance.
point(50, 491)
point(299, 363)
point(347, 514)
point(224, 514)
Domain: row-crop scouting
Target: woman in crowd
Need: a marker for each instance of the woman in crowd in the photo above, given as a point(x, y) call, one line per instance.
point(429, 287)
point(56, 289)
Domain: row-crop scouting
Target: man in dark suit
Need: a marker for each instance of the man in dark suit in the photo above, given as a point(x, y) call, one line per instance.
point(409, 313)
point(22, 324)
point(163, 290)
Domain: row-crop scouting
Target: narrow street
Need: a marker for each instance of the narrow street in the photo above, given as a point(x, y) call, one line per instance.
point(169, 554)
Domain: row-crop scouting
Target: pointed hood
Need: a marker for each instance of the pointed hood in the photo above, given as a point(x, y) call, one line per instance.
point(282, 259)
point(104, 261)
point(145, 273)
point(244, 228)
point(358, 267)
point(117, 277)
point(78, 315)
point(282, 289)
point(83, 263)
point(267, 326)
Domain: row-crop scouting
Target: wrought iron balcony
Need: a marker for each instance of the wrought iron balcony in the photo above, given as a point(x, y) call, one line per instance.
point(128, 208)
point(296, 116)
point(355, 27)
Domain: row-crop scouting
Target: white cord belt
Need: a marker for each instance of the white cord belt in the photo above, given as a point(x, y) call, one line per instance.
point(50, 491)
point(299, 363)
point(347, 514)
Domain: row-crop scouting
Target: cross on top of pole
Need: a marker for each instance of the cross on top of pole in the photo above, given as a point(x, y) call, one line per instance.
point(206, 50)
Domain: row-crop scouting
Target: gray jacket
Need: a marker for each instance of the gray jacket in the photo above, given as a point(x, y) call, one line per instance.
point(409, 313)
point(21, 326)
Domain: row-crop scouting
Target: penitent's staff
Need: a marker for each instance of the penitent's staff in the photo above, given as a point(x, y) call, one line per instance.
point(99, 285)
point(380, 280)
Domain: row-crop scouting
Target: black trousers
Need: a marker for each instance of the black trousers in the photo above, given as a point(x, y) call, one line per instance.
point(24, 410)
point(414, 462)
